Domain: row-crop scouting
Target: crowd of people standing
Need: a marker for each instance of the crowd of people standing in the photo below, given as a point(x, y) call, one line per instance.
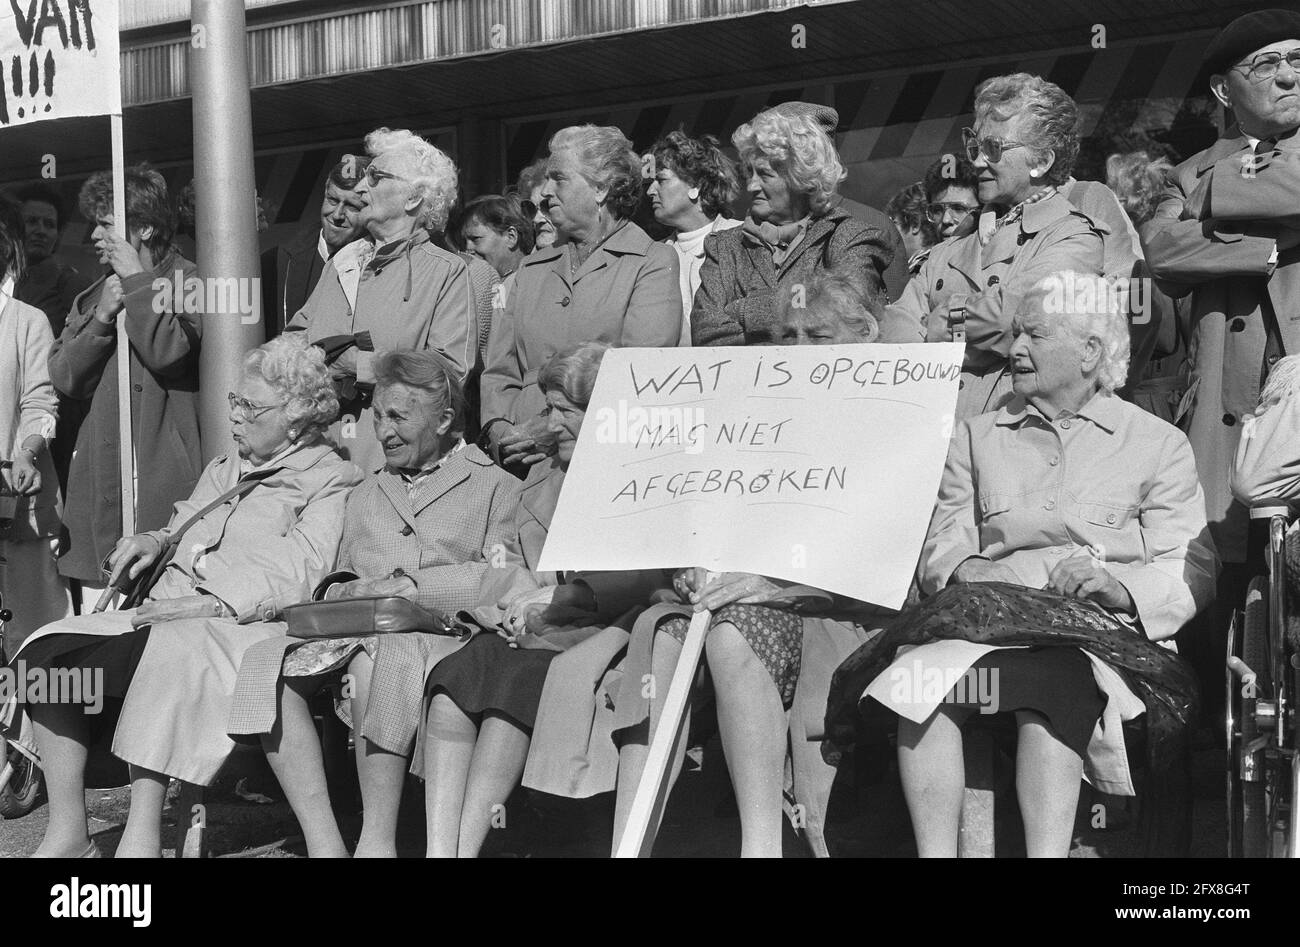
point(406, 432)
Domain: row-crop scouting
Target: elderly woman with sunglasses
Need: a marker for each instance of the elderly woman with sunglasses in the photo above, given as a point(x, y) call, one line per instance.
point(261, 529)
point(395, 289)
point(1023, 147)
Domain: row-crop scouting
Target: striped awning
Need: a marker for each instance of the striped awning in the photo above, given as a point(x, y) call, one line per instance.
point(379, 36)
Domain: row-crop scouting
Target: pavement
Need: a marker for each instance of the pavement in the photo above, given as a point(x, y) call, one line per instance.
point(701, 819)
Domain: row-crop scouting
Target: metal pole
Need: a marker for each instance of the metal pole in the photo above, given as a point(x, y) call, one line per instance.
point(125, 436)
point(225, 209)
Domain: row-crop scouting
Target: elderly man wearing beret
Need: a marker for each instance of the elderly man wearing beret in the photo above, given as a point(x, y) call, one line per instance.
point(1227, 234)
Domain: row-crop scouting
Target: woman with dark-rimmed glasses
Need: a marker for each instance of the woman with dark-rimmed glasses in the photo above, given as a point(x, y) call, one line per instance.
point(1022, 149)
point(951, 194)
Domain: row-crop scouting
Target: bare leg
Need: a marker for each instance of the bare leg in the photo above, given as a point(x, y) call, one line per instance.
point(448, 751)
point(63, 737)
point(636, 743)
point(142, 837)
point(294, 753)
point(752, 725)
point(933, 769)
point(494, 772)
point(1047, 783)
point(382, 774)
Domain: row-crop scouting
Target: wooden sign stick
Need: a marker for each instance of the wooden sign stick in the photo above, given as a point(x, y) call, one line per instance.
point(652, 791)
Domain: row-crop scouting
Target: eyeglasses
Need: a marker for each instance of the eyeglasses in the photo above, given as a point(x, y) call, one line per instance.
point(375, 175)
point(1265, 65)
point(249, 409)
point(992, 148)
point(937, 212)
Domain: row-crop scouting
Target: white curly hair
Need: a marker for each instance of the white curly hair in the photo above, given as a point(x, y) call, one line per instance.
point(298, 373)
point(1091, 307)
point(435, 176)
point(798, 149)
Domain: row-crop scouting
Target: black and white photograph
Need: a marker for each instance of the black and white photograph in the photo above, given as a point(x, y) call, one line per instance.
point(367, 369)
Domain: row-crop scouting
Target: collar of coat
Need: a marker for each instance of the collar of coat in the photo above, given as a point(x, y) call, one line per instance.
point(1221, 149)
point(1102, 409)
point(817, 228)
point(383, 255)
point(303, 457)
point(630, 240)
point(1039, 214)
point(459, 467)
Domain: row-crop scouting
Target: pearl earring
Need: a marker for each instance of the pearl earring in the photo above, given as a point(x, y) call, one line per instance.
point(1033, 173)
point(693, 193)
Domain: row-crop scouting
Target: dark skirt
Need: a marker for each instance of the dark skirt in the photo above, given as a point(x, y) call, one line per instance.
point(117, 658)
point(487, 675)
point(1057, 683)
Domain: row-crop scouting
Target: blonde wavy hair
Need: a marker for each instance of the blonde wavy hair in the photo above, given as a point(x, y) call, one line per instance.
point(298, 373)
point(435, 177)
point(798, 149)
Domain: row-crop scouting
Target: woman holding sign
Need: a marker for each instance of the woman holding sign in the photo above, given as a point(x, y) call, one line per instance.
point(143, 283)
point(1069, 537)
point(771, 645)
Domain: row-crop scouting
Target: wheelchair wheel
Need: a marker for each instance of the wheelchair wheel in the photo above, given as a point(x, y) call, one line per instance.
point(22, 792)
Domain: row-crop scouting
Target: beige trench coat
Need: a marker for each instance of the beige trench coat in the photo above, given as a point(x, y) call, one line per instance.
point(987, 280)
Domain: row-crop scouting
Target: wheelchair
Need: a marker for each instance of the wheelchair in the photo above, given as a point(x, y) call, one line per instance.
point(21, 784)
point(1263, 766)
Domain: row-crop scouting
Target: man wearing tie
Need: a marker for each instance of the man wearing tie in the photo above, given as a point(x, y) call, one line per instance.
point(1226, 234)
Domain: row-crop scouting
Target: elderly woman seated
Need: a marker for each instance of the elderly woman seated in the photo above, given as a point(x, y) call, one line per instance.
point(394, 289)
point(261, 529)
point(756, 641)
point(1068, 538)
point(424, 528)
point(484, 699)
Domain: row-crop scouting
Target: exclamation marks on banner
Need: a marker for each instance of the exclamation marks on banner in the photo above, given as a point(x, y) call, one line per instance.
point(39, 82)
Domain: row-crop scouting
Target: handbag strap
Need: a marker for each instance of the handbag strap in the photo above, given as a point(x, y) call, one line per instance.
point(147, 579)
point(245, 484)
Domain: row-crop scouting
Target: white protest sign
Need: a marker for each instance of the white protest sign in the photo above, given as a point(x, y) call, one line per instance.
point(815, 464)
point(58, 58)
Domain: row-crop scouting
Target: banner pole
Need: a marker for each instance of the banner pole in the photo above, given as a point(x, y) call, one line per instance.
point(126, 443)
point(652, 791)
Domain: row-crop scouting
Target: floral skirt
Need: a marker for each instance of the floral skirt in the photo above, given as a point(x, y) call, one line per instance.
point(775, 636)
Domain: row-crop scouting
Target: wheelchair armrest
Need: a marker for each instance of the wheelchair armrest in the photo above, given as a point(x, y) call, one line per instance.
point(1270, 507)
